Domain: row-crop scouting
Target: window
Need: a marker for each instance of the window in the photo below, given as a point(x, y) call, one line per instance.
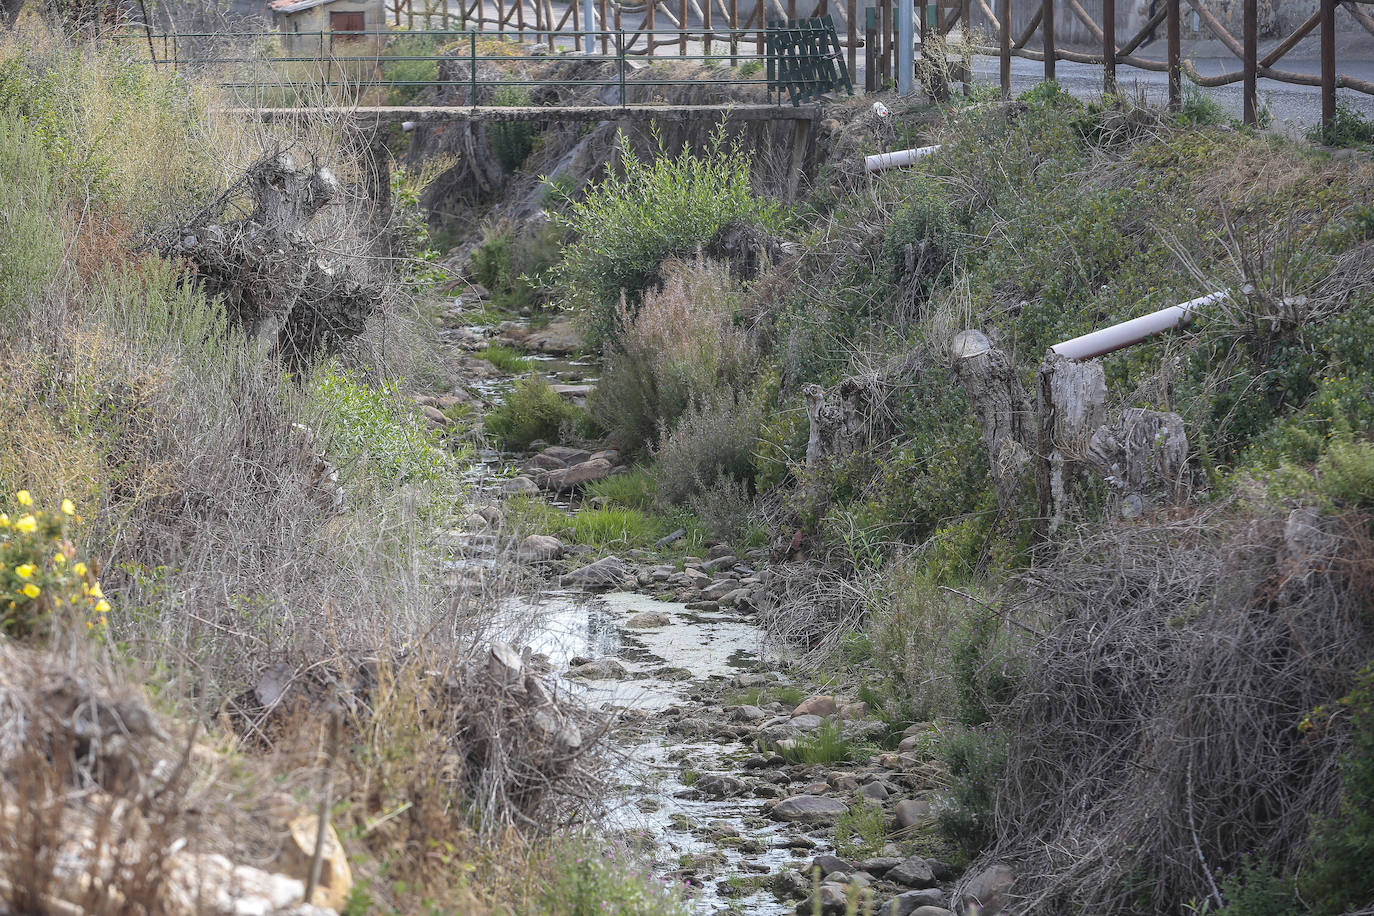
point(346, 22)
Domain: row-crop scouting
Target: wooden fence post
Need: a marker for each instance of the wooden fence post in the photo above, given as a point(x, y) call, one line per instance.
point(870, 49)
point(705, 26)
point(1047, 30)
point(852, 30)
point(682, 24)
point(605, 29)
point(1328, 35)
point(734, 33)
point(885, 30)
point(1251, 52)
point(1109, 46)
point(1175, 72)
point(1006, 49)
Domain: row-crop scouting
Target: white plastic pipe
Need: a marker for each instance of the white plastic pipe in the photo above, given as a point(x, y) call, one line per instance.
point(897, 158)
point(1108, 340)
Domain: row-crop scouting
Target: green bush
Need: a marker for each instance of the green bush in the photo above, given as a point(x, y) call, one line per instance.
point(533, 410)
point(587, 878)
point(634, 490)
point(512, 141)
point(1348, 128)
point(655, 209)
point(1345, 473)
point(419, 73)
point(826, 744)
point(680, 349)
point(513, 265)
point(29, 236)
point(368, 433)
point(713, 441)
point(504, 358)
point(974, 757)
point(917, 242)
point(860, 832)
point(1200, 109)
point(1340, 874)
point(1258, 889)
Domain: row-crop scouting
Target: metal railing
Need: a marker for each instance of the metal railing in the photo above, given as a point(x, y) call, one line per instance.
point(344, 65)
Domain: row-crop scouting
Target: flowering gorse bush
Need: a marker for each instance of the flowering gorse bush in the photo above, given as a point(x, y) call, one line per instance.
point(41, 576)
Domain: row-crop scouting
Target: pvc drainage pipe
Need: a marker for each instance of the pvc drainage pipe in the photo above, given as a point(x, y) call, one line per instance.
point(1107, 340)
point(897, 159)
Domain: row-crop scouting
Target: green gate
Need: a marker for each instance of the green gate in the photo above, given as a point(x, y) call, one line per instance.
point(805, 60)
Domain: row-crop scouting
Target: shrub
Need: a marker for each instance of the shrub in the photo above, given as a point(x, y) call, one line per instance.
point(512, 141)
point(634, 490)
point(1257, 889)
point(712, 442)
point(366, 431)
point(916, 243)
point(974, 757)
point(724, 508)
point(417, 72)
point(1348, 128)
point(662, 207)
point(512, 264)
point(504, 358)
point(1340, 874)
point(30, 238)
point(826, 744)
point(1345, 473)
point(860, 832)
point(533, 410)
point(586, 878)
point(41, 575)
point(681, 348)
point(1200, 109)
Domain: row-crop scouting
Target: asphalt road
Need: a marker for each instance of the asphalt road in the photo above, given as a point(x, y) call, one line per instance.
point(1294, 108)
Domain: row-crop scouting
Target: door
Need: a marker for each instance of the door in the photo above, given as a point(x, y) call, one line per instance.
point(346, 22)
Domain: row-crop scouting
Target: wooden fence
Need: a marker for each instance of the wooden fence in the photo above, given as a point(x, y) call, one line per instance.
point(697, 20)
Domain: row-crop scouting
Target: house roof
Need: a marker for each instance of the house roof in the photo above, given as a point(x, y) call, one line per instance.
point(296, 6)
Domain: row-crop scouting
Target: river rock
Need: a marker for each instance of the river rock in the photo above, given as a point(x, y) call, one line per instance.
point(670, 538)
point(519, 485)
point(719, 785)
point(719, 589)
point(603, 669)
point(819, 705)
point(726, 562)
point(576, 476)
point(874, 791)
point(806, 723)
point(911, 812)
point(737, 597)
point(646, 620)
point(831, 899)
point(559, 338)
point(907, 904)
point(611, 455)
point(914, 872)
point(566, 454)
point(746, 713)
point(809, 809)
point(989, 890)
point(880, 865)
point(828, 864)
point(604, 573)
point(539, 547)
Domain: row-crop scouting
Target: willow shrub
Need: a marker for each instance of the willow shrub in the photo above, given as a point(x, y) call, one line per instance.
point(655, 208)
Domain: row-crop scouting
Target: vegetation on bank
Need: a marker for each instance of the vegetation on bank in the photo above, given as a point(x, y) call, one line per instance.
point(1039, 220)
point(239, 520)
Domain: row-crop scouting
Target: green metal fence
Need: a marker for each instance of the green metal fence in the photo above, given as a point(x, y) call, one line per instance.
point(802, 60)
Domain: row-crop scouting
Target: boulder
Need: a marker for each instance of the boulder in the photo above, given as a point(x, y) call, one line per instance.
point(913, 872)
point(875, 791)
point(719, 589)
point(828, 864)
point(719, 785)
point(806, 723)
point(603, 669)
point(879, 865)
point(819, 705)
point(566, 454)
point(830, 900)
point(518, 485)
point(809, 809)
point(746, 713)
point(911, 812)
point(538, 548)
point(336, 878)
point(989, 890)
point(604, 573)
point(545, 462)
point(737, 597)
point(909, 903)
point(647, 620)
point(578, 475)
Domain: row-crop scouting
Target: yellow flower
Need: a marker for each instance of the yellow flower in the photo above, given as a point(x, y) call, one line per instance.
point(95, 591)
point(25, 498)
point(26, 525)
point(59, 558)
point(79, 568)
point(26, 571)
point(101, 606)
point(32, 590)
point(68, 507)
point(4, 520)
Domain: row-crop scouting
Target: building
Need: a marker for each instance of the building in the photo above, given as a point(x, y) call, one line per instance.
point(322, 24)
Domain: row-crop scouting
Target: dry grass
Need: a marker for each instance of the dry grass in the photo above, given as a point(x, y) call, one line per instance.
point(1156, 720)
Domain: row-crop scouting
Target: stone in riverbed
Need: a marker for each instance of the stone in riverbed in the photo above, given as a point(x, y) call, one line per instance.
point(914, 872)
point(828, 864)
point(879, 865)
point(719, 589)
point(518, 485)
point(567, 454)
point(809, 809)
point(911, 812)
point(746, 713)
point(646, 620)
point(874, 790)
point(909, 903)
point(719, 785)
point(806, 723)
point(819, 705)
point(539, 547)
point(603, 669)
point(604, 573)
point(832, 900)
point(989, 889)
point(578, 475)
